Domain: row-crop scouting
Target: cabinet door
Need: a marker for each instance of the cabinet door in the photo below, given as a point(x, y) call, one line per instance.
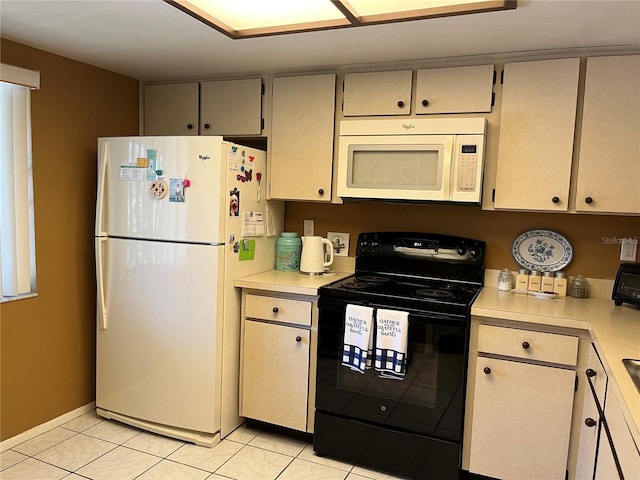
point(301, 140)
point(454, 90)
point(536, 135)
point(231, 107)
point(171, 109)
point(609, 168)
point(378, 93)
point(521, 420)
point(589, 424)
point(625, 447)
point(275, 374)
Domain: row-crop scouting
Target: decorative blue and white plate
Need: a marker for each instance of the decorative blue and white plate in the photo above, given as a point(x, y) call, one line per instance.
point(543, 250)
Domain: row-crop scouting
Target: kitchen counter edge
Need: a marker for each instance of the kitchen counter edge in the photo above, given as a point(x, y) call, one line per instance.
point(289, 282)
point(615, 331)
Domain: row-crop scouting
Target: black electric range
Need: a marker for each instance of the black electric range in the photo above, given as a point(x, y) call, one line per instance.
point(410, 426)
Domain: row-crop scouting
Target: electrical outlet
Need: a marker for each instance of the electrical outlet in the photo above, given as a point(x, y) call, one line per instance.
point(309, 227)
point(629, 249)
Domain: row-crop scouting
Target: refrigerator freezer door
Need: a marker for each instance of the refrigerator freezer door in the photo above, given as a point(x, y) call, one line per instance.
point(159, 357)
point(137, 181)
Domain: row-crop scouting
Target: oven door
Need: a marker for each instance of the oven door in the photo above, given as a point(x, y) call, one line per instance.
point(430, 398)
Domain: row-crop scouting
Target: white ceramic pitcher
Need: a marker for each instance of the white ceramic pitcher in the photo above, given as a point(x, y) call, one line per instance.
point(312, 259)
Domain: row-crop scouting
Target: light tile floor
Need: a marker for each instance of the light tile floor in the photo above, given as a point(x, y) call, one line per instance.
point(92, 447)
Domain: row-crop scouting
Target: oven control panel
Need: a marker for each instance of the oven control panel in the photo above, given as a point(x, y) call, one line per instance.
point(421, 246)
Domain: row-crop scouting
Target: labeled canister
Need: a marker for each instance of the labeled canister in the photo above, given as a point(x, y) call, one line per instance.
point(288, 249)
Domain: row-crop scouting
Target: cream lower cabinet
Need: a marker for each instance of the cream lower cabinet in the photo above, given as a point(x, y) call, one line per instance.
point(276, 361)
point(605, 452)
point(589, 424)
point(523, 397)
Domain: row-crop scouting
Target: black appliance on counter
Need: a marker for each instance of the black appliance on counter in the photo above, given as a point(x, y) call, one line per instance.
point(410, 427)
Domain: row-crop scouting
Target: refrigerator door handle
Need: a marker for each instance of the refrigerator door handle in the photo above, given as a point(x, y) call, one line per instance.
point(102, 176)
point(102, 311)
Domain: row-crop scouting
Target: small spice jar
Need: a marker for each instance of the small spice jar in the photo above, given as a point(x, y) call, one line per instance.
point(578, 287)
point(547, 282)
point(560, 284)
point(505, 280)
point(522, 279)
point(534, 281)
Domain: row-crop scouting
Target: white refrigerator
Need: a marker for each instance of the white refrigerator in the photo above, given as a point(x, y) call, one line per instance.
point(177, 219)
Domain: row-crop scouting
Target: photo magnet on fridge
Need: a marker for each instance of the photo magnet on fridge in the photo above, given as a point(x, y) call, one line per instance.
point(234, 203)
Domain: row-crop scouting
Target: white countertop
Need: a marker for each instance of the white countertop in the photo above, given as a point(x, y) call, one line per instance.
point(289, 282)
point(615, 331)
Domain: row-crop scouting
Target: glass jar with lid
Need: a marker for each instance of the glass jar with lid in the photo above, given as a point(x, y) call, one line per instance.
point(578, 287)
point(505, 280)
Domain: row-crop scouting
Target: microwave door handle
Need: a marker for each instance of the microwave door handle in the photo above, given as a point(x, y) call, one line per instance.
point(447, 165)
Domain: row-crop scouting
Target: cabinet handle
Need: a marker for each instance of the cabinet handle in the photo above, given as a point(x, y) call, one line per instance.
point(590, 422)
point(189, 126)
point(207, 126)
point(555, 200)
point(298, 339)
point(525, 345)
point(590, 373)
point(321, 191)
point(588, 200)
point(425, 102)
point(400, 103)
point(275, 310)
point(487, 370)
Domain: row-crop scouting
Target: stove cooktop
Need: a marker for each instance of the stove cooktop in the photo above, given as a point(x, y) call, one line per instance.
point(417, 293)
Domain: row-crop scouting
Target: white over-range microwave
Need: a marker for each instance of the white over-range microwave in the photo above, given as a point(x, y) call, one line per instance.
point(420, 160)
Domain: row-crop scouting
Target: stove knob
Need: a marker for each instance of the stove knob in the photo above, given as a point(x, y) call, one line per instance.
point(475, 251)
point(461, 250)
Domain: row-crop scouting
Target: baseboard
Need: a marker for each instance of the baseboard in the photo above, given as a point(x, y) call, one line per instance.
point(45, 427)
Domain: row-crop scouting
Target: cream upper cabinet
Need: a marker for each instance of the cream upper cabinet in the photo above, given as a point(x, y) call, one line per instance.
point(301, 139)
point(454, 90)
point(609, 164)
point(231, 107)
point(537, 129)
point(377, 93)
point(171, 109)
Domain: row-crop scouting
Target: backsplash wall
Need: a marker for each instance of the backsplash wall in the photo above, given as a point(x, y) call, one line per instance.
point(595, 238)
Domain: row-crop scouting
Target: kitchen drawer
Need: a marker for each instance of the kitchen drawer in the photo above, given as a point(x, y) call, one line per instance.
point(284, 310)
point(525, 344)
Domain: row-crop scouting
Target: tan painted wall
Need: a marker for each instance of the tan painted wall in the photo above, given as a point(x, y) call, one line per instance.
point(47, 349)
point(593, 257)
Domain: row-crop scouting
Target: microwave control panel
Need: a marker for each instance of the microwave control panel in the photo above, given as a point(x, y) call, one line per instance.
point(468, 167)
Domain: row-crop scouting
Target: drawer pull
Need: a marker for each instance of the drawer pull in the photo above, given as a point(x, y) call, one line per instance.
point(275, 310)
point(590, 422)
point(298, 339)
point(525, 345)
point(487, 370)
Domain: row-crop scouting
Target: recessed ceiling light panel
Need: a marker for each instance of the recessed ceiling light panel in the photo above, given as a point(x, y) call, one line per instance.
point(252, 18)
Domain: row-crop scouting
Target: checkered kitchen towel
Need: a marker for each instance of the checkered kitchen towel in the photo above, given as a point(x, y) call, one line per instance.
point(392, 328)
point(358, 337)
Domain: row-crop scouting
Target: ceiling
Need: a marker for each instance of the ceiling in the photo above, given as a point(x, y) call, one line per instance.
point(154, 42)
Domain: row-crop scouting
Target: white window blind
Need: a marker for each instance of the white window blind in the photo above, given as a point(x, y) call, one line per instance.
point(17, 239)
